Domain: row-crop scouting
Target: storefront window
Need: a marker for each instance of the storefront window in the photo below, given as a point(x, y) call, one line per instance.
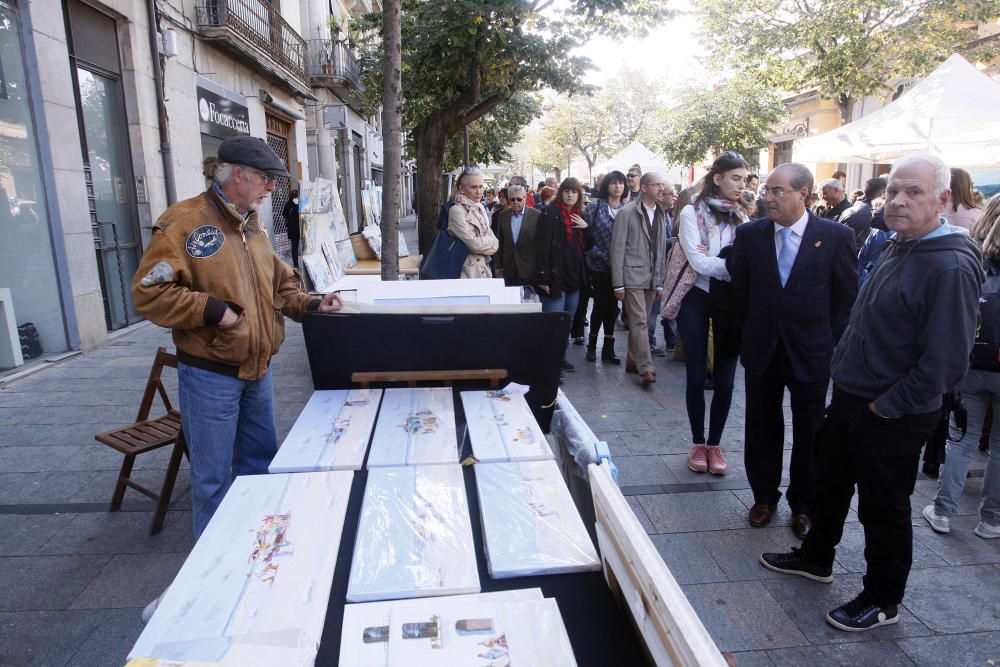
point(28, 282)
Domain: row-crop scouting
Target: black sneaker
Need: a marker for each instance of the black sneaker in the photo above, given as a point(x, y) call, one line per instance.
point(862, 613)
point(566, 366)
point(794, 562)
point(657, 352)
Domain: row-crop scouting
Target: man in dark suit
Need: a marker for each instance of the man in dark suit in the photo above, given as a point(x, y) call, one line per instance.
point(515, 260)
point(796, 277)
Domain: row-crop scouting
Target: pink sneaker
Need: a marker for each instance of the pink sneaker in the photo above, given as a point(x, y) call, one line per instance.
point(698, 458)
point(716, 461)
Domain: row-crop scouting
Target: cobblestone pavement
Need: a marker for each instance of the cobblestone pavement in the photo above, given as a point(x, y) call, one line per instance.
point(76, 576)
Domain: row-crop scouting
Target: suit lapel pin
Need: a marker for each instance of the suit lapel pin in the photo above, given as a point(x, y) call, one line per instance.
point(819, 243)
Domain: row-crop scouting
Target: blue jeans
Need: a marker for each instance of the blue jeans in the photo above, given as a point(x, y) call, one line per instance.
point(669, 335)
point(229, 428)
point(567, 302)
point(979, 389)
point(692, 325)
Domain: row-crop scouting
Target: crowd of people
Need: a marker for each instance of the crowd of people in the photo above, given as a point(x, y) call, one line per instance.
point(884, 291)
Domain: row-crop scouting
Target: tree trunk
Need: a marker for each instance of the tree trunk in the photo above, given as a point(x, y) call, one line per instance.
point(391, 136)
point(845, 103)
point(430, 141)
point(558, 174)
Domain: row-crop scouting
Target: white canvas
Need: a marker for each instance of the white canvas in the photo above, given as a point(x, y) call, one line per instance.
point(319, 272)
point(364, 641)
point(331, 433)
point(323, 196)
point(333, 261)
point(239, 655)
point(259, 575)
point(530, 524)
point(346, 251)
point(414, 536)
point(306, 189)
point(485, 290)
point(502, 427)
point(479, 634)
point(415, 427)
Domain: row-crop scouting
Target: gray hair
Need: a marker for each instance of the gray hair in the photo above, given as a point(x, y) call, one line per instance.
point(942, 174)
point(801, 176)
point(515, 189)
point(832, 183)
point(223, 172)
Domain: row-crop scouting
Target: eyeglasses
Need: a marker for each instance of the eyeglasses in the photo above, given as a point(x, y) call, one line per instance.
point(471, 170)
point(777, 193)
point(268, 178)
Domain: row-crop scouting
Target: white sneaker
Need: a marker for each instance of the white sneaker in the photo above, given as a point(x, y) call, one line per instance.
point(940, 524)
point(986, 531)
point(150, 609)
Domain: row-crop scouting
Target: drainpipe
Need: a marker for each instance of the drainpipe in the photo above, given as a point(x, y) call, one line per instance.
point(161, 105)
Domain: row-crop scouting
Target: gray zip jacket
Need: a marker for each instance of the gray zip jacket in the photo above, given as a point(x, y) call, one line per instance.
point(913, 324)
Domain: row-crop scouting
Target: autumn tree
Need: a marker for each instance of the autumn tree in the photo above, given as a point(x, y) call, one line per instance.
point(462, 59)
point(738, 115)
point(848, 49)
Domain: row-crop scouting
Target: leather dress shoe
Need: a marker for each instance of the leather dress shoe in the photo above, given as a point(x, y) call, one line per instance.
point(801, 525)
point(648, 378)
point(631, 368)
point(760, 514)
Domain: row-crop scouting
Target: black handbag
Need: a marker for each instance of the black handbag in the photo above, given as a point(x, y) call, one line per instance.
point(444, 259)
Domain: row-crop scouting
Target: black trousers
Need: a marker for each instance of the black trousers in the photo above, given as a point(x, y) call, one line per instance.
point(880, 456)
point(765, 431)
point(605, 310)
point(580, 316)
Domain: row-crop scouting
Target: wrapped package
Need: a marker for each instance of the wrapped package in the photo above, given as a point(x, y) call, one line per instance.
point(414, 536)
point(331, 433)
point(502, 427)
point(415, 427)
point(530, 524)
point(364, 641)
point(491, 633)
point(260, 574)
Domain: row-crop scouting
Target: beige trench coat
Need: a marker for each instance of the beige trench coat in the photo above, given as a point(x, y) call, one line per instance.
point(475, 232)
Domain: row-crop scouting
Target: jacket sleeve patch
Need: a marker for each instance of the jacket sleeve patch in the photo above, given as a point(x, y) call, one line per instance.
point(161, 273)
point(204, 241)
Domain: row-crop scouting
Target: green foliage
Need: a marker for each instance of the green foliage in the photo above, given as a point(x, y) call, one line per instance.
point(848, 49)
point(738, 116)
point(492, 137)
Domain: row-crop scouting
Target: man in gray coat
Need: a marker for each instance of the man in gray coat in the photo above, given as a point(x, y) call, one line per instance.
point(515, 260)
point(638, 258)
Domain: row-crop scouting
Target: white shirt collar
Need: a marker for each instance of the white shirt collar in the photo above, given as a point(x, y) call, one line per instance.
point(798, 228)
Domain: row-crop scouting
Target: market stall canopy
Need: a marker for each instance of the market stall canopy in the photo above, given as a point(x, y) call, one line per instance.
point(954, 113)
point(634, 153)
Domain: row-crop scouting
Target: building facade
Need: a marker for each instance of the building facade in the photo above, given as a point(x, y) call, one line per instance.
point(108, 110)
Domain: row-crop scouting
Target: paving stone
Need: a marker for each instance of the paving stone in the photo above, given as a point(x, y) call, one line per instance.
point(808, 602)
point(678, 465)
point(656, 441)
point(23, 534)
point(959, 547)
point(737, 552)
point(967, 503)
point(32, 459)
point(884, 654)
point(689, 512)
point(42, 487)
point(742, 616)
point(130, 580)
point(120, 533)
point(614, 421)
point(639, 470)
point(34, 583)
point(47, 638)
point(102, 486)
point(752, 659)
point(955, 599)
point(688, 559)
point(640, 514)
point(112, 639)
point(851, 550)
point(979, 648)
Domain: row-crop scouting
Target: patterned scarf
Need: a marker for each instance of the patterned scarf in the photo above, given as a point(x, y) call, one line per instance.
point(474, 206)
point(570, 225)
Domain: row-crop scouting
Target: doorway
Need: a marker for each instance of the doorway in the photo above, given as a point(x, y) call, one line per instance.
point(279, 132)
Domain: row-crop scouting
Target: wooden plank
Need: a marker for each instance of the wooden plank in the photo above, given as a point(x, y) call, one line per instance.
point(491, 374)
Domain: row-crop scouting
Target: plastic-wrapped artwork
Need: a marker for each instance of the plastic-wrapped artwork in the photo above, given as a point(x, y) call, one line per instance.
point(415, 427)
point(502, 427)
point(444, 631)
point(259, 575)
point(530, 524)
point(331, 433)
point(414, 536)
point(364, 641)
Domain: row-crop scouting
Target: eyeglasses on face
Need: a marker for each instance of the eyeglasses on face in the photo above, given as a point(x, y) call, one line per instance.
point(268, 178)
point(777, 193)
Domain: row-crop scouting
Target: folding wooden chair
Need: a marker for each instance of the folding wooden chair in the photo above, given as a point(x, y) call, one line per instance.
point(145, 435)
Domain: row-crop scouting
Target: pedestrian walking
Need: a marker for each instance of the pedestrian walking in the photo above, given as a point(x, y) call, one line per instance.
point(796, 276)
point(291, 215)
point(907, 343)
point(600, 215)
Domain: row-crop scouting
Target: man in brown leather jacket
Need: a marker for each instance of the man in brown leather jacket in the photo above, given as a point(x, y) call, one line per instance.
point(210, 274)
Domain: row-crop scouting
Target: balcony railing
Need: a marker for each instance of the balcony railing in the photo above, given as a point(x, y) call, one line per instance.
point(259, 24)
point(333, 60)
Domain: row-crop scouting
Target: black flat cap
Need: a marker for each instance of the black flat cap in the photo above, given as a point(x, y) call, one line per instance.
point(252, 152)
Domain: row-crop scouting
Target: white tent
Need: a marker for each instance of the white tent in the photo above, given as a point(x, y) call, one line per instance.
point(634, 153)
point(954, 113)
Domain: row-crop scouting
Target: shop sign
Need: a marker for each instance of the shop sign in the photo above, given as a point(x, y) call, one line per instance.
point(221, 117)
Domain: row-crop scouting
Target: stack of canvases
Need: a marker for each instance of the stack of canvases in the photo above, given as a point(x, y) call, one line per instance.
point(414, 572)
point(325, 247)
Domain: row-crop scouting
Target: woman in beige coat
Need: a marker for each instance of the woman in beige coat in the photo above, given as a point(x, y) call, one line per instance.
point(468, 221)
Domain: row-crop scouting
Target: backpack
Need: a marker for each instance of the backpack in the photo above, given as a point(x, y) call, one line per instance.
point(986, 348)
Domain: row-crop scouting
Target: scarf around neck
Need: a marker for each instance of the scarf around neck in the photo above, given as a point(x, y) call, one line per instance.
point(474, 206)
point(569, 225)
